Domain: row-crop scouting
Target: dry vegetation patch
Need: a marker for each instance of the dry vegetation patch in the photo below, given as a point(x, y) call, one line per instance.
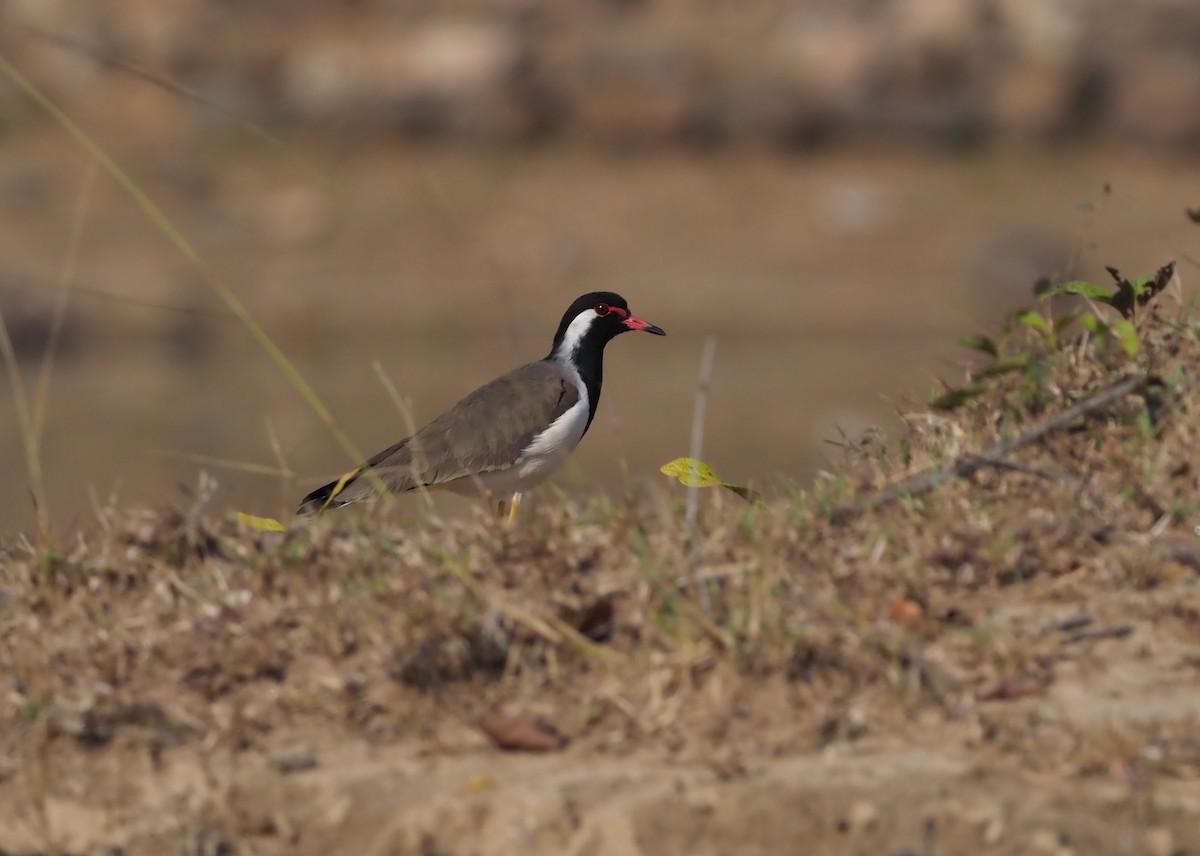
point(1039, 612)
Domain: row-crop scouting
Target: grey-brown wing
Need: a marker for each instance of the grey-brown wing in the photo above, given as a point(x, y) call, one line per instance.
point(484, 432)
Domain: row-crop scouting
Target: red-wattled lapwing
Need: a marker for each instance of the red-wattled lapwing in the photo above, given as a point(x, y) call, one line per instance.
point(509, 435)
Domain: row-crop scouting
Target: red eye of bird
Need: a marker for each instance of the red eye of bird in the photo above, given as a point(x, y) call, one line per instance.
point(602, 309)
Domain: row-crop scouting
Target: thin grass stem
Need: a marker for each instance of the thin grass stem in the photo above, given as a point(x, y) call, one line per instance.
point(33, 461)
point(66, 285)
point(692, 509)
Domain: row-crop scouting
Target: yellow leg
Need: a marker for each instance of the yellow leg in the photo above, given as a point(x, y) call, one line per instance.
point(513, 506)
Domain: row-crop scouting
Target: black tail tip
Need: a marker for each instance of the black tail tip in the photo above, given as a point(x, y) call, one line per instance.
point(317, 501)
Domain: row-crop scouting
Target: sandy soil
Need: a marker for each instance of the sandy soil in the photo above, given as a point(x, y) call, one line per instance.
point(392, 800)
point(1056, 716)
point(919, 784)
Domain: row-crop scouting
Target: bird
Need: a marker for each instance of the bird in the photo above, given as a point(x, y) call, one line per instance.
point(508, 435)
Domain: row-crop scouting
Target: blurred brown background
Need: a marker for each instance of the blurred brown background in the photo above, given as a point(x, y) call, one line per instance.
point(836, 190)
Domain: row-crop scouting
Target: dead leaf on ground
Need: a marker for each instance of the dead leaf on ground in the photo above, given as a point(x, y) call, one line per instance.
point(1018, 688)
point(903, 610)
point(522, 731)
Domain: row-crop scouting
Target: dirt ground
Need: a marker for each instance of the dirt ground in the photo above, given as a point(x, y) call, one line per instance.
point(1097, 754)
point(870, 800)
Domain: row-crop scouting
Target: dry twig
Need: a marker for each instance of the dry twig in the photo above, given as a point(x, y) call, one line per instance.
point(995, 454)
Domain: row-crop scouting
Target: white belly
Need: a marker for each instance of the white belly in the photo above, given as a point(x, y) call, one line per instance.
point(550, 448)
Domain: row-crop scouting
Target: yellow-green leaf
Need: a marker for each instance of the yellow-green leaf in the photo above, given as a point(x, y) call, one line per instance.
point(696, 473)
point(1036, 320)
point(748, 494)
point(262, 524)
point(691, 472)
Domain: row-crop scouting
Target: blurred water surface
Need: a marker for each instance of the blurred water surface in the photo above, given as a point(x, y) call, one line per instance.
point(836, 285)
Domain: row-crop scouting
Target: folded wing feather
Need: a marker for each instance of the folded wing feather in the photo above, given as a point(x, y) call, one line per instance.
point(485, 432)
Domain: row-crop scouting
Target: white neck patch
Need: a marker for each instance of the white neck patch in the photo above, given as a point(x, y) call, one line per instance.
point(576, 330)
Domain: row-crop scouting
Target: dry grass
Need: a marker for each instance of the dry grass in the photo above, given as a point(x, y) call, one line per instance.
point(992, 614)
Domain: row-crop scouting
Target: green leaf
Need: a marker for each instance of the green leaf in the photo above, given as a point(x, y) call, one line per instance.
point(980, 343)
point(1093, 325)
point(1012, 320)
point(1034, 320)
point(1017, 362)
point(1081, 287)
point(1128, 335)
point(956, 397)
